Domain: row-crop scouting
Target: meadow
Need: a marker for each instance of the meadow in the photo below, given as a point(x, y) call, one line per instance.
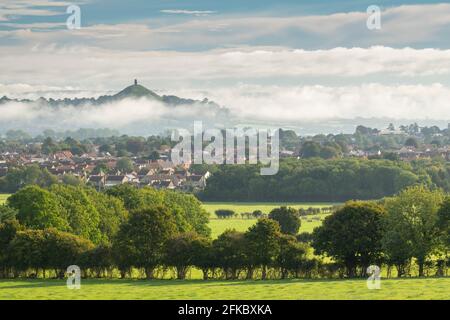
point(218, 226)
point(3, 198)
point(265, 207)
point(391, 289)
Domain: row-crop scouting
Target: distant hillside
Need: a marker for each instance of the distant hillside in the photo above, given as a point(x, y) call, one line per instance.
point(135, 91)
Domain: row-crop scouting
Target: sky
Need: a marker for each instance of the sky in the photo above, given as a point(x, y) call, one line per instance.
point(272, 60)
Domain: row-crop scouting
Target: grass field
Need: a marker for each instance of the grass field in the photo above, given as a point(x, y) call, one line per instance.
point(218, 226)
point(265, 207)
point(228, 290)
point(3, 198)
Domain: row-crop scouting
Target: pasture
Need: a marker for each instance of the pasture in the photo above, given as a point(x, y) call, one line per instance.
point(218, 226)
point(265, 207)
point(3, 198)
point(391, 289)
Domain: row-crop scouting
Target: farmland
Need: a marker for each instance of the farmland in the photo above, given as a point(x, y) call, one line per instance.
point(419, 288)
point(3, 198)
point(218, 226)
point(265, 207)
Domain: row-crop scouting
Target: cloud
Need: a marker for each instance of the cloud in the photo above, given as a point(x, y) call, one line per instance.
point(287, 105)
point(12, 9)
point(140, 116)
point(93, 69)
point(419, 26)
point(297, 104)
point(189, 12)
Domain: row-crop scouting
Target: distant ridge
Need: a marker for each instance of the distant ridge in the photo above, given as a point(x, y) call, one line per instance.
point(134, 91)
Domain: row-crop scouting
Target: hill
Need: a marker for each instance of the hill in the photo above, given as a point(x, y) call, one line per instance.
point(134, 91)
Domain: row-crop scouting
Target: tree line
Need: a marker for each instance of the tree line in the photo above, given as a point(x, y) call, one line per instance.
point(318, 180)
point(158, 234)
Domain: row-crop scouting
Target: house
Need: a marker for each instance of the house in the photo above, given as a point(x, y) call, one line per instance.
point(163, 184)
point(196, 181)
point(151, 179)
point(97, 181)
point(115, 180)
point(62, 155)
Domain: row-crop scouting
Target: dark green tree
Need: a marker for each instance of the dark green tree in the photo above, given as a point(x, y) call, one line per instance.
point(352, 235)
point(288, 218)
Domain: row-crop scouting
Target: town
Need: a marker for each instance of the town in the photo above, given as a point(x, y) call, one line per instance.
point(103, 162)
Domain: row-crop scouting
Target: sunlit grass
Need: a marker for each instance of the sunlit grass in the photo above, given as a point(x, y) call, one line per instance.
point(3, 198)
point(431, 288)
point(218, 226)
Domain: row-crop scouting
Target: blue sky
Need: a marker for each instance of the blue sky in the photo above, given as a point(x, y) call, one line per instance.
point(49, 15)
point(240, 53)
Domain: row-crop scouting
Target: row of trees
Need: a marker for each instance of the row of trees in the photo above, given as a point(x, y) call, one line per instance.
point(410, 229)
point(323, 180)
point(256, 214)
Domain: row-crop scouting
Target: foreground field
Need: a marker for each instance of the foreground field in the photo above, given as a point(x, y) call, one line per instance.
point(228, 290)
point(3, 198)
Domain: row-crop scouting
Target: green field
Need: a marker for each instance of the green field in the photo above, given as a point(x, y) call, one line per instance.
point(431, 288)
point(265, 207)
point(218, 226)
point(3, 198)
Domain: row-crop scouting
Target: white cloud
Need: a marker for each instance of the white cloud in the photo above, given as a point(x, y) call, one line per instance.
point(304, 103)
point(94, 69)
point(268, 105)
point(408, 25)
point(11, 9)
point(189, 12)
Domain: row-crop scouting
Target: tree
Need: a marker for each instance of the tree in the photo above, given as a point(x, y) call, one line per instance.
point(154, 155)
point(412, 222)
point(229, 250)
point(140, 240)
point(79, 211)
point(180, 252)
point(47, 249)
point(38, 209)
point(99, 259)
point(112, 213)
point(131, 196)
point(125, 165)
point(257, 214)
point(291, 255)
point(224, 213)
point(288, 218)
point(8, 230)
point(443, 222)
point(412, 142)
point(310, 149)
point(30, 175)
point(262, 243)
point(352, 235)
point(188, 211)
point(203, 255)
point(7, 213)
